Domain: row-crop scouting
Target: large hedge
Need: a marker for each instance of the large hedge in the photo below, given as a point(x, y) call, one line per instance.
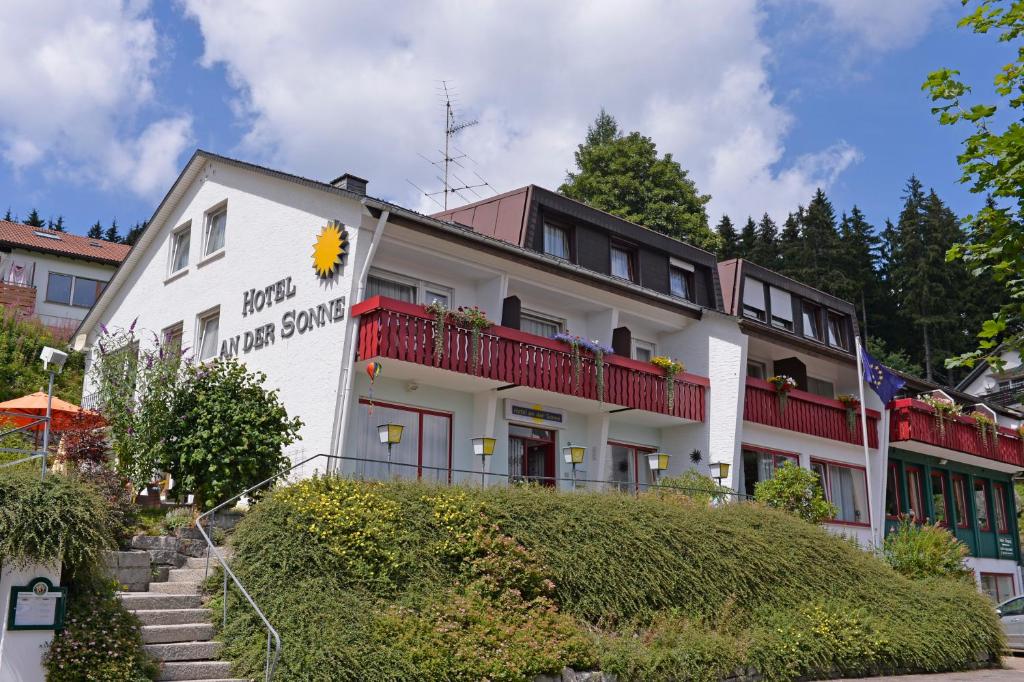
point(407, 581)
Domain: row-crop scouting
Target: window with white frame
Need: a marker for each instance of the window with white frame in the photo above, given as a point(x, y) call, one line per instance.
point(644, 351)
point(216, 224)
point(208, 334)
point(680, 279)
point(845, 487)
point(540, 324)
point(556, 241)
point(782, 308)
point(181, 240)
point(753, 299)
point(812, 322)
point(622, 264)
point(825, 389)
point(837, 336)
point(408, 289)
point(423, 452)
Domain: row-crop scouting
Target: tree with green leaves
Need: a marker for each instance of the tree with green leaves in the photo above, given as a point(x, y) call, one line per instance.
point(34, 219)
point(134, 233)
point(815, 259)
point(95, 232)
point(789, 242)
point(859, 250)
point(992, 164)
point(8, 217)
point(748, 237)
point(21, 373)
point(56, 225)
point(766, 244)
point(728, 240)
point(625, 176)
point(111, 234)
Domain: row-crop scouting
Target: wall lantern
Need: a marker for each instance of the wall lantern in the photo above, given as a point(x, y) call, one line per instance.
point(390, 435)
point(573, 454)
point(658, 461)
point(719, 471)
point(483, 447)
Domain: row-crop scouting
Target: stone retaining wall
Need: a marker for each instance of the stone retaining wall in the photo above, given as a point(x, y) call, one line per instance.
point(131, 569)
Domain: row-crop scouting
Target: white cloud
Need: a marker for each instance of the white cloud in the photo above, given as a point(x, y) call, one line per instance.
point(75, 77)
point(882, 25)
point(328, 87)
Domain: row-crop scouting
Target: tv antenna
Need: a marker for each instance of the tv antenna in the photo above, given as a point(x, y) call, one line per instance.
point(452, 157)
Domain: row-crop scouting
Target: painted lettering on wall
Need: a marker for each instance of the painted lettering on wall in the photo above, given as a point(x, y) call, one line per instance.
point(294, 321)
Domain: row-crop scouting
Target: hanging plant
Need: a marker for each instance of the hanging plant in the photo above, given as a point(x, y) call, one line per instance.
point(672, 368)
point(596, 348)
point(440, 312)
point(1020, 431)
point(851, 403)
point(783, 385)
point(985, 425)
point(475, 320)
point(944, 411)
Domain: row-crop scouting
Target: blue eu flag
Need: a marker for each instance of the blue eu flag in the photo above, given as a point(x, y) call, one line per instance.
point(883, 381)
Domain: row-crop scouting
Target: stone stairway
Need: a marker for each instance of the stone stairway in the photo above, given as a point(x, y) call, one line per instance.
point(176, 627)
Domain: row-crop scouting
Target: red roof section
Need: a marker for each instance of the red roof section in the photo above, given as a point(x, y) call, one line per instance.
point(16, 235)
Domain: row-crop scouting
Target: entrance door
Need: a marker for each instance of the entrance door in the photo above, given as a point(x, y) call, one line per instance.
point(532, 454)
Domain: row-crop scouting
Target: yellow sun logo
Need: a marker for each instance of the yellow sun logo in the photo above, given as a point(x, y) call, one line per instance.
point(329, 249)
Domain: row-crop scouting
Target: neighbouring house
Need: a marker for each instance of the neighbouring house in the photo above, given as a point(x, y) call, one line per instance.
point(337, 297)
point(1003, 386)
point(52, 276)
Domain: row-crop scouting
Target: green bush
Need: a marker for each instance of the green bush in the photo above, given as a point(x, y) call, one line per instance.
point(21, 372)
point(693, 485)
point(926, 551)
point(409, 581)
point(798, 491)
point(101, 642)
point(177, 518)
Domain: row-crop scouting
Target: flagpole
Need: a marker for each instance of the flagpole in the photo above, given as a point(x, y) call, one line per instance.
point(864, 436)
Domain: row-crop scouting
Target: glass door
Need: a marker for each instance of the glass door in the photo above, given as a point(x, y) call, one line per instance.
point(531, 454)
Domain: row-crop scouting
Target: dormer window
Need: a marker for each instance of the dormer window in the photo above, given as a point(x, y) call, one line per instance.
point(556, 241)
point(837, 337)
point(622, 262)
point(782, 309)
point(680, 279)
point(753, 299)
point(812, 322)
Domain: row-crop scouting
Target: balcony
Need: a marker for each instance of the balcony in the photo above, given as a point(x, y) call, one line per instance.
point(805, 413)
point(404, 331)
point(17, 297)
point(914, 421)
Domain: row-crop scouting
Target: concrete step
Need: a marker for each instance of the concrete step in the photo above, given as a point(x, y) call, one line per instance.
point(173, 616)
point(186, 575)
point(200, 562)
point(184, 651)
point(135, 601)
point(194, 670)
point(183, 632)
point(174, 588)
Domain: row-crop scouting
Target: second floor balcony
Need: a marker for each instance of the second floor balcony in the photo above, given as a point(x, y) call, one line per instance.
point(806, 413)
point(916, 422)
point(405, 331)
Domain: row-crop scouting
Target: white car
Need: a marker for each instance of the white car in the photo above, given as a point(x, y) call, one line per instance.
point(1011, 615)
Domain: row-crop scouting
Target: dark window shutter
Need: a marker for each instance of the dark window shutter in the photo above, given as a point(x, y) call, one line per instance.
point(792, 367)
point(622, 342)
point(511, 309)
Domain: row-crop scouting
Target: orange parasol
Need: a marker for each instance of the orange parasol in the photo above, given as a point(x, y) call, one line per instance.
point(28, 408)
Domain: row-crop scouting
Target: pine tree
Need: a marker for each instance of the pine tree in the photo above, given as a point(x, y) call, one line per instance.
point(859, 253)
point(623, 175)
point(766, 244)
point(111, 234)
point(134, 233)
point(95, 232)
point(57, 225)
point(7, 216)
point(728, 239)
point(817, 259)
point(790, 244)
point(35, 220)
point(748, 235)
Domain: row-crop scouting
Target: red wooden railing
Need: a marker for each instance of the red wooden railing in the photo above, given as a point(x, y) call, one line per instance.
point(805, 413)
point(915, 420)
point(405, 331)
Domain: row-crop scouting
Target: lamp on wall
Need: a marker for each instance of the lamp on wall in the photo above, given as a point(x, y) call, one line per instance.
point(658, 462)
point(573, 454)
point(719, 471)
point(483, 447)
point(390, 435)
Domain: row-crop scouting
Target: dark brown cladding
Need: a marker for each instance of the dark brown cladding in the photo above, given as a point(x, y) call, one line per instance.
point(518, 217)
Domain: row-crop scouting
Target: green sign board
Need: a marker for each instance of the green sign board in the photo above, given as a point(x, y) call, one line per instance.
point(37, 606)
point(1005, 547)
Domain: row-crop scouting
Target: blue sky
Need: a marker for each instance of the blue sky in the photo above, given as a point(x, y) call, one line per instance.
point(762, 101)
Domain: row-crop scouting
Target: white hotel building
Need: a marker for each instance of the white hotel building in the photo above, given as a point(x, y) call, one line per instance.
point(227, 264)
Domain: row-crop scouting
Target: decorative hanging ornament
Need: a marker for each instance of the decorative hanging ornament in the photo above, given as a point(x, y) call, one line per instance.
point(373, 370)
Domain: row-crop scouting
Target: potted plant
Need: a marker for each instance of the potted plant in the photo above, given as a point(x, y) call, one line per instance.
point(475, 320)
point(944, 410)
point(783, 385)
point(596, 348)
point(985, 425)
point(672, 368)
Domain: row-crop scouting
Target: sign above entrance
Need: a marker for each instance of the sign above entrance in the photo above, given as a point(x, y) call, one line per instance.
point(534, 415)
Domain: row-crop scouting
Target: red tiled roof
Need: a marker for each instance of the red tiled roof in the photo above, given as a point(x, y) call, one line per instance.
point(16, 235)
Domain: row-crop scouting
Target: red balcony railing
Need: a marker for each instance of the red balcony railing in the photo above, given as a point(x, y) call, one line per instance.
point(405, 331)
point(914, 420)
point(805, 413)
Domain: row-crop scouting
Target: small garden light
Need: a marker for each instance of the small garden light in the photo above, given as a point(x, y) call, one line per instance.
point(573, 455)
point(483, 447)
point(658, 461)
point(719, 471)
point(390, 435)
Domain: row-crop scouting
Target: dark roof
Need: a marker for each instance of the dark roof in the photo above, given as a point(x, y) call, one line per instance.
point(19, 236)
point(917, 385)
